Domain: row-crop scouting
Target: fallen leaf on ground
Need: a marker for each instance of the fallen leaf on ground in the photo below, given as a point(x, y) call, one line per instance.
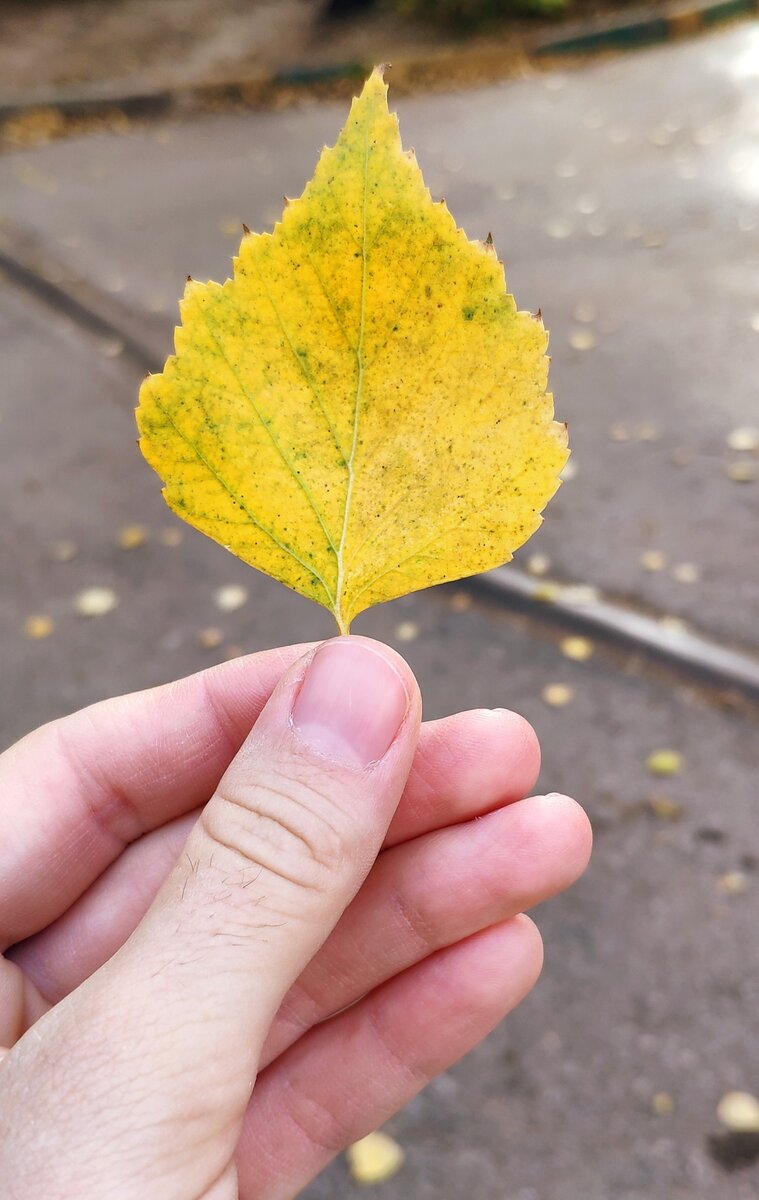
point(674, 625)
point(587, 205)
point(210, 638)
point(547, 592)
point(461, 601)
point(665, 762)
point(374, 1159)
point(582, 339)
point(577, 648)
point(652, 560)
point(742, 472)
point(739, 1111)
point(407, 631)
point(664, 808)
point(132, 536)
point(732, 883)
point(686, 572)
point(579, 595)
point(95, 601)
point(361, 410)
point(230, 597)
point(557, 695)
point(171, 537)
point(38, 627)
point(743, 438)
point(538, 564)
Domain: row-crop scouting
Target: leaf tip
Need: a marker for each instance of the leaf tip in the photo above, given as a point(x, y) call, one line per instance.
point(245, 229)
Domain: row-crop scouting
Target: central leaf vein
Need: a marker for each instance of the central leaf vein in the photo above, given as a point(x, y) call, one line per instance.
point(344, 625)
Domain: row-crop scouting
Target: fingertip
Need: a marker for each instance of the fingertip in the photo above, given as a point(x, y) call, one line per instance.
point(508, 744)
point(524, 742)
point(572, 826)
point(533, 951)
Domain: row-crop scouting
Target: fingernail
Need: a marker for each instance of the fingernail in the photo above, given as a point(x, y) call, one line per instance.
point(351, 703)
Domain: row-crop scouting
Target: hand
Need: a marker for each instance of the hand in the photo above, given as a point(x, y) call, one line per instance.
point(194, 900)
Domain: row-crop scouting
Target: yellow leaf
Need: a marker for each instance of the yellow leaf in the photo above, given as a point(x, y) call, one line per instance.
point(732, 883)
point(742, 472)
point(361, 410)
point(374, 1158)
point(210, 638)
point(743, 438)
point(538, 564)
point(132, 536)
point(665, 762)
point(582, 339)
point(653, 560)
point(578, 648)
point(557, 695)
point(96, 601)
point(407, 631)
point(231, 597)
point(739, 1111)
point(38, 627)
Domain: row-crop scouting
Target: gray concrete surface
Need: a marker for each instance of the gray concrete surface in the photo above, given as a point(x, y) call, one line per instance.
point(652, 971)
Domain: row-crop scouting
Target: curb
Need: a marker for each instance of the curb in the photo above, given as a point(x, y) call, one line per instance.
point(645, 27)
point(45, 116)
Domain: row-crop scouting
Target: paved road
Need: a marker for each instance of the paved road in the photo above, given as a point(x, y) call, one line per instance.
point(652, 977)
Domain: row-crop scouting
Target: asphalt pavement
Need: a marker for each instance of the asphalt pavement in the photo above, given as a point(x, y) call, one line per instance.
point(623, 199)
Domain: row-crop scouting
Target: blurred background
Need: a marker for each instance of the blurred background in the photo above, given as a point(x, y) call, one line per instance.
point(622, 191)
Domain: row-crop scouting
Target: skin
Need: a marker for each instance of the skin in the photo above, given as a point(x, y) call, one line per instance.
point(229, 952)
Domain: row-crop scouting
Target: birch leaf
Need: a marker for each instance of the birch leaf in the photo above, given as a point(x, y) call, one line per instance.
point(361, 411)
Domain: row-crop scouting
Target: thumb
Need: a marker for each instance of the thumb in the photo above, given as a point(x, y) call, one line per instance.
point(289, 836)
point(175, 1022)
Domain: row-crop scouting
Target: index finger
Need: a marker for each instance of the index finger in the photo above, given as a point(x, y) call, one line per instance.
point(75, 792)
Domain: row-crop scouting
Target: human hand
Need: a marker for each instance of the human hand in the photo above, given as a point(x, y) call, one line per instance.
point(190, 906)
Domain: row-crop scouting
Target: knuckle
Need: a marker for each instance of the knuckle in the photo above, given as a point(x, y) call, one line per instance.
point(416, 930)
point(288, 826)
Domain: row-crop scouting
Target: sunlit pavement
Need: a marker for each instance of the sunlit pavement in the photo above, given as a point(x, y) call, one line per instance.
point(623, 199)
